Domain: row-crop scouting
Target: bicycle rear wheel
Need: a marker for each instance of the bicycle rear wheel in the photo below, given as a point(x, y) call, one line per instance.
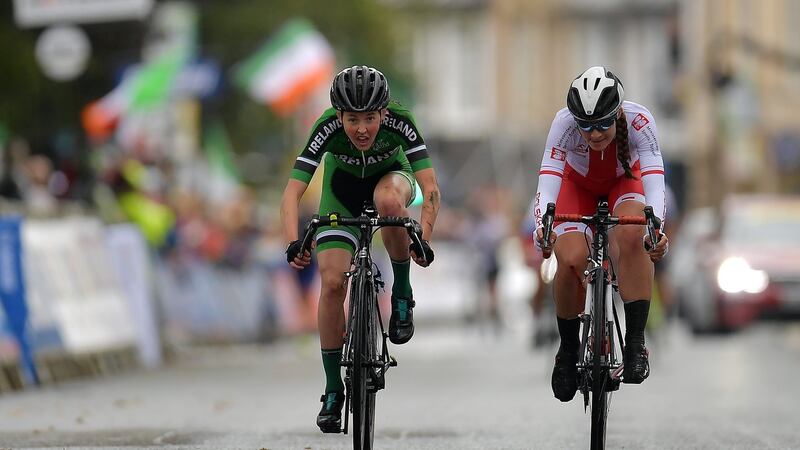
point(363, 347)
point(600, 374)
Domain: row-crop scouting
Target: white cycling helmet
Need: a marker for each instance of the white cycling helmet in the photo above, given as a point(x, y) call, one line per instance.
point(595, 95)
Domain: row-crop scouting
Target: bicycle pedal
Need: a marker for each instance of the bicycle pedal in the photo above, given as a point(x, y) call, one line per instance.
point(375, 382)
point(392, 361)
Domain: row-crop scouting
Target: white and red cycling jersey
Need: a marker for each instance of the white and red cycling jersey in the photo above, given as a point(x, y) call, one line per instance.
point(573, 176)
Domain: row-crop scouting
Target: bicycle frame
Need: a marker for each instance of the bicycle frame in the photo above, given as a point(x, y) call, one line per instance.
point(362, 316)
point(599, 357)
point(365, 366)
point(599, 364)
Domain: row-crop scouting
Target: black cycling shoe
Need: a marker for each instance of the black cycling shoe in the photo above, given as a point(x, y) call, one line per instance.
point(565, 376)
point(401, 323)
point(637, 365)
point(329, 419)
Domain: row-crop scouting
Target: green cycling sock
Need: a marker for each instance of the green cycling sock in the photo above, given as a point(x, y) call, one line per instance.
point(333, 371)
point(401, 288)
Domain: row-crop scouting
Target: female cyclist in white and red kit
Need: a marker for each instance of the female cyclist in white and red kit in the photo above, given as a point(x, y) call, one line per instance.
point(601, 146)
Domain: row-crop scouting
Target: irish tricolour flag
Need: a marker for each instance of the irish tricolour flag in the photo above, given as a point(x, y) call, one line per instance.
point(288, 67)
point(142, 88)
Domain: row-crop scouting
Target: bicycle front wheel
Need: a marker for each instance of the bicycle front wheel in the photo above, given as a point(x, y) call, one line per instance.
point(600, 374)
point(364, 350)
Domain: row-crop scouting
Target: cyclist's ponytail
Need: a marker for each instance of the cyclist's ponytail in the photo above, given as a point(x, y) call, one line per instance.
point(623, 151)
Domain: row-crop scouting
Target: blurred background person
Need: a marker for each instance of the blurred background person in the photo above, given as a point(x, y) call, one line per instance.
point(307, 278)
point(489, 228)
point(664, 309)
point(542, 303)
point(39, 199)
point(11, 181)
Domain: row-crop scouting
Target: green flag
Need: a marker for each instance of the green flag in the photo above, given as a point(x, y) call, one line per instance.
point(219, 152)
point(153, 82)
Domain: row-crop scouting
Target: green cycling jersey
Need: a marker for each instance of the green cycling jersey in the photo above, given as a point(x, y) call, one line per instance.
point(398, 140)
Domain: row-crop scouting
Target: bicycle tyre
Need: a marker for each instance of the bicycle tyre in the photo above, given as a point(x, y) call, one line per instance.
point(600, 376)
point(363, 402)
point(371, 348)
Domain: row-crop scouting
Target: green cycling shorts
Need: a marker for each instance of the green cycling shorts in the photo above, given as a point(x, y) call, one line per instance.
point(345, 193)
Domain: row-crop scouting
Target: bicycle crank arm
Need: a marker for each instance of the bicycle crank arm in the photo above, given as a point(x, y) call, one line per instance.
point(590, 366)
point(346, 413)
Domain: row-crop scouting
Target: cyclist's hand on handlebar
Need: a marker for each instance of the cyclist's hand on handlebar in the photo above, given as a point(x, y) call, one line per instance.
point(660, 249)
point(293, 256)
point(547, 250)
point(417, 252)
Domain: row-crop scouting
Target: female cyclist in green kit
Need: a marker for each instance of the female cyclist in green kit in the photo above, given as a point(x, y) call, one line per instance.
point(372, 152)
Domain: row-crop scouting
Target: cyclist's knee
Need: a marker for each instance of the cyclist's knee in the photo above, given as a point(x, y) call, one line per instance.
point(571, 257)
point(388, 201)
point(629, 240)
point(333, 286)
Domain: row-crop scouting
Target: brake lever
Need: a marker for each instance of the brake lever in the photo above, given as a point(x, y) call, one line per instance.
point(312, 226)
point(414, 230)
point(653, 228)
point(547, 224)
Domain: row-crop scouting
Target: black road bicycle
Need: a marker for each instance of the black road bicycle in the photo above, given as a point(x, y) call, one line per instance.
point(365, 357)
point(600, 357)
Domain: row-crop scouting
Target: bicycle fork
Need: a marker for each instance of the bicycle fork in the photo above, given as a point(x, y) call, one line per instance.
point(595, 274)
point(381, 366)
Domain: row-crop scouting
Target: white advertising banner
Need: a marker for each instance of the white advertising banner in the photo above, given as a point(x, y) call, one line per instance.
point(132, 262)
point(73, 285)
point(34, 13)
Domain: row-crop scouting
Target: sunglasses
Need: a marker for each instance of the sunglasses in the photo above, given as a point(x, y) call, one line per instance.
point(601, 125)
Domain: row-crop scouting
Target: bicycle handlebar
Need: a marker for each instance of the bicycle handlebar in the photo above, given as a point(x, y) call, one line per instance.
point(412, 227)
point(649, 219)
point(593, 220)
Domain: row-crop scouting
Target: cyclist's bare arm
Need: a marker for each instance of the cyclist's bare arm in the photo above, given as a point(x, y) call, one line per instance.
point(289, 217)
point(431, 200)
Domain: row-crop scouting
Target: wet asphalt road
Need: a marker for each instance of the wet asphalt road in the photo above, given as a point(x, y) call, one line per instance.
point(454, 388)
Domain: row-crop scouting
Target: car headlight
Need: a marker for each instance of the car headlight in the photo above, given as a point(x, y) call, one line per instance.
point(735, 275)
